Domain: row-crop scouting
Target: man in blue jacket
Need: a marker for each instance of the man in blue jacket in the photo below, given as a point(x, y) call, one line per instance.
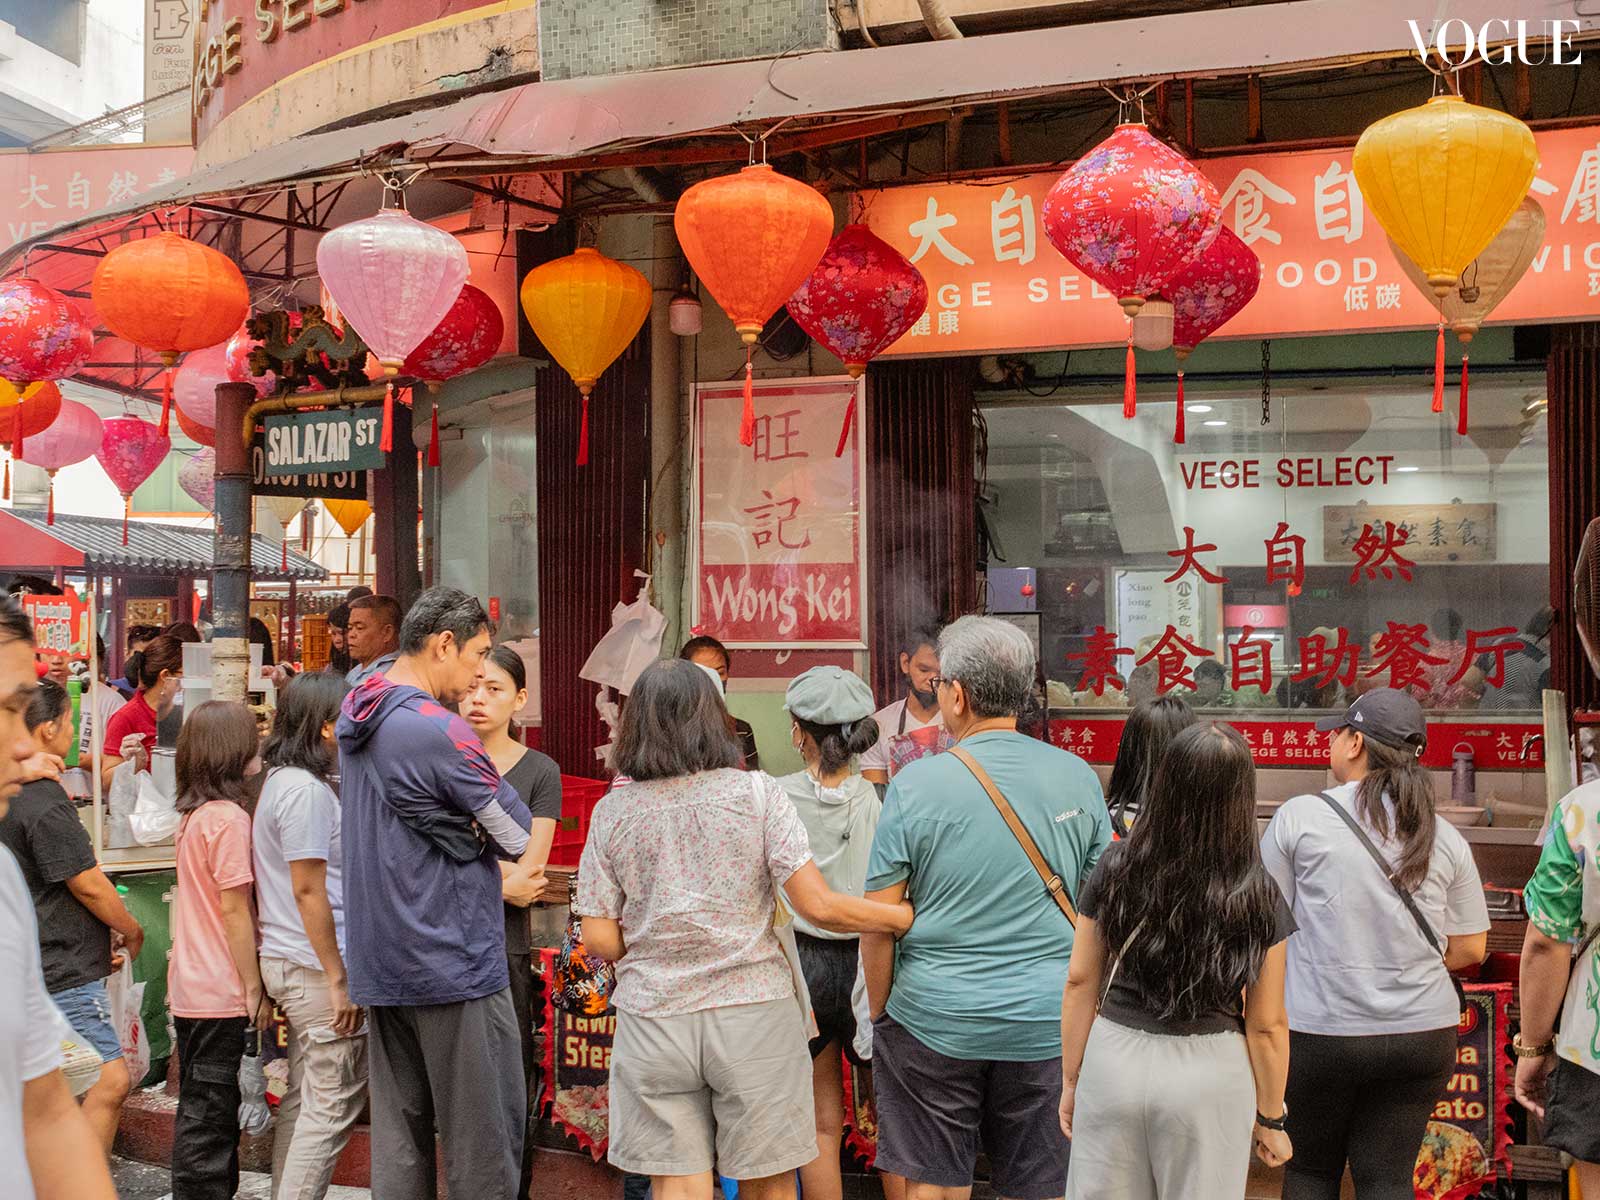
point(425, 817)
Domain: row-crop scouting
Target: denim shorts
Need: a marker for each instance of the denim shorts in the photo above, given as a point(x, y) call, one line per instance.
point(87, 1009)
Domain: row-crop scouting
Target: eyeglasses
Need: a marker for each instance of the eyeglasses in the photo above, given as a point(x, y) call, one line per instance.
point(938, 681)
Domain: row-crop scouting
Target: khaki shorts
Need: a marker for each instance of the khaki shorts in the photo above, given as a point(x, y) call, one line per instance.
point(724, 1088)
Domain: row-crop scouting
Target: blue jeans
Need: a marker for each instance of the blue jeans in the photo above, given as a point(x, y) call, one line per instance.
point(87, 1009)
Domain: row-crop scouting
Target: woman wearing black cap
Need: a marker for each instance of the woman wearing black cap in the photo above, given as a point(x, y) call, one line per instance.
point(1372, 1008)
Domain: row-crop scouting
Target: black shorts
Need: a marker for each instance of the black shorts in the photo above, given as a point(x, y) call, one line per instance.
point(932, 1111)
point(829, 966)
point(1572, 1111)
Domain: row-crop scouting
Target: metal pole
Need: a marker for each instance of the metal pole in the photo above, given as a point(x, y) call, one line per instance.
point(230, 575)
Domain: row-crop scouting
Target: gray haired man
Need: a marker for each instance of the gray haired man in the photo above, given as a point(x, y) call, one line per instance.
point(967, 1006)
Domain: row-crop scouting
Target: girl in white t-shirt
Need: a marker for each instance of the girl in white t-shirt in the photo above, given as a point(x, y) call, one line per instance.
point(1372, 1010)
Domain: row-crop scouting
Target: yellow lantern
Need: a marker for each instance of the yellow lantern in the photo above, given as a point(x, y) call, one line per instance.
point(1487, 280)
point(9, 394)
point(350, 514)
point(585, 308)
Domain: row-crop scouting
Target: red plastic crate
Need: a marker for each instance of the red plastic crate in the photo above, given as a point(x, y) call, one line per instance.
point(578, 798)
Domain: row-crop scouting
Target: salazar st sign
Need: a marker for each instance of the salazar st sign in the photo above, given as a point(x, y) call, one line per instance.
point(321, 443)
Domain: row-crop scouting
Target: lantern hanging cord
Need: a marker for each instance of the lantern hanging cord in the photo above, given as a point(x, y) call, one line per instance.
point(393, 181)
point(760, 139)
point(1127, 98)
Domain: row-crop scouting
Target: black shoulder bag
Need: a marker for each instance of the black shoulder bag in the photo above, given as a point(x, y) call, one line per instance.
point(1405, 897)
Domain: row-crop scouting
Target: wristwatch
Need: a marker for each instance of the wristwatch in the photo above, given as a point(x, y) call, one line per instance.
point(1523, 1050)
point(1277, 1124)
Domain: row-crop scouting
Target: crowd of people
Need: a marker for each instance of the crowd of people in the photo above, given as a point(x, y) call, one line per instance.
point(1107, 993)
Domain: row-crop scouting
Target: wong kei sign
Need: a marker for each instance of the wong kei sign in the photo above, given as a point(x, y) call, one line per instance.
point(779, 524)
point(996, 283)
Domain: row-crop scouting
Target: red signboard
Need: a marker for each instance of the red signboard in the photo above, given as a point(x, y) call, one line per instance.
point(243, 47)
point(42, 189)
point(779, 523)
point(1287, 742)
point(60, 625)
point(996, 283)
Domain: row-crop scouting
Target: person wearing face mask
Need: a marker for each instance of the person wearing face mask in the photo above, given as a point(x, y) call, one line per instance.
point(831, 711)
point(132, 730)
point(712, 656)
point(911, 726)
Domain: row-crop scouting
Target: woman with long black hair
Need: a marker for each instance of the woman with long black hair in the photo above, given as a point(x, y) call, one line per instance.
point(1149, 730)
point(1180, 947)
point(1372, 1010)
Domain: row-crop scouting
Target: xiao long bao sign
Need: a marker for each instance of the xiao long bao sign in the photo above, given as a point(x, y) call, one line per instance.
point(995, 283)
point(779, 524)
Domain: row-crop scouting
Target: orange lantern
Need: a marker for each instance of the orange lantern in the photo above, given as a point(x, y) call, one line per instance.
point(169, 294)
point(585, 308)
point(753, 238)
point(351, 515)
point(36, 412)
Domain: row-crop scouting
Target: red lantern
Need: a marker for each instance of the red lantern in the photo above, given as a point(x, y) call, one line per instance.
point(860, 300)
point(21, 421)
point(129, 453)
point(1207, 294)
point(468, 337)
point(43, 334)
point(752, 238)
point(1131, 214)
point(202, 435)
point(171, 295)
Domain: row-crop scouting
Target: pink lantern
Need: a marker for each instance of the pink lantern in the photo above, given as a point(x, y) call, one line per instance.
point(43, 334)
point(130, 451)
point(195, 386)
point(72, 437)
point(393, 278)
point(198, 477)
point(1207, 294)
point(237, 350)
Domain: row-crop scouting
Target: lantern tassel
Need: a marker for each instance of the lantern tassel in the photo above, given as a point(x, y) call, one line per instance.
point(285, 548)
point(433, 439)
point(1461, 404)
point(50, 508)
point(747, 422)
point(16, 450)
point(8, 477)
point(386, 437)
point(1438, 371)
point(166, 401)
point(1129, 387)
point(849, 423)
point(583, 434)
point(127, 507)
point(1178, 430)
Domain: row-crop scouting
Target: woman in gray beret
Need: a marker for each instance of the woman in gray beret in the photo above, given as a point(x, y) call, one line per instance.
point(831, 711)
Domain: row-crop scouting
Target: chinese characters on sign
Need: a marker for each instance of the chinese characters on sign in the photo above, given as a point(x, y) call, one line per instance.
point(1373, 536)
point(994, 284)
point(41, 190)
point(779, 542)
point(60, 625)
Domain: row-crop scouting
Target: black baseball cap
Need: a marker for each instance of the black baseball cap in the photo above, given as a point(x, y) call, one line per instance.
point(1387, 716)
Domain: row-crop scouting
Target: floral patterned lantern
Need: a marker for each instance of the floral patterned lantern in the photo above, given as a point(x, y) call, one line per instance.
point(285, 509)
point(752, 238)
point(863, 296)
point(393, 278)
point(1206, 295)
point(237, 351)
point(129, 453)
point(585, 308)
point(31, 417)
point(169, 294)
point(72, 437)
point(198, 477)
point(350, 514)
point(468, 337)
point(1487, 280)
point(43, 334)
point(1131, 214)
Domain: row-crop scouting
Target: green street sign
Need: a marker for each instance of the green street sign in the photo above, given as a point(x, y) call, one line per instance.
point(322, 443)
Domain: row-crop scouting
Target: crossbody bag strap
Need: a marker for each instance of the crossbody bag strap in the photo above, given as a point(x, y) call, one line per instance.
point(1053, 882)
point(1383, 865)
point(1116, 963)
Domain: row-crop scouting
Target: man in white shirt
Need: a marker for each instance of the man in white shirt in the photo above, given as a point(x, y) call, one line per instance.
point(47, 1148)
point(919, 709)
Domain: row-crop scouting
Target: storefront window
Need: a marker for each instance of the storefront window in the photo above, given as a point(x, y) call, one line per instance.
point(1352, 541)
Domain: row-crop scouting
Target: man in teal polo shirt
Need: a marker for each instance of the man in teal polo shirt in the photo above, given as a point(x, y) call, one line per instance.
point(967, 1006)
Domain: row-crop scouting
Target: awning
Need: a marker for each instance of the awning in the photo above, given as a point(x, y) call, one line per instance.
point(28, 542)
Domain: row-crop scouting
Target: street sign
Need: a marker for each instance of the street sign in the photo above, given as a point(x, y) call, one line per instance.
point(336, 485)
point(322, 443)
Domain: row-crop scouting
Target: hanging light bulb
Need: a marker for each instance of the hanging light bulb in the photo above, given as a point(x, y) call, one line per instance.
point(1152, 325)
point(683, 314)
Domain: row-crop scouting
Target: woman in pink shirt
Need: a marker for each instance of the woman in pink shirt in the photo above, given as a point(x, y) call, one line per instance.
point(213, 980)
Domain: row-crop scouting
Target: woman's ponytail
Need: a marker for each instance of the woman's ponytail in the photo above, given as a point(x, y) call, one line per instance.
point(1399, 774)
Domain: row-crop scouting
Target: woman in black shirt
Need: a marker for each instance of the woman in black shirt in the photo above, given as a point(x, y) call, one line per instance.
point(501, 691)
point(1180, 945)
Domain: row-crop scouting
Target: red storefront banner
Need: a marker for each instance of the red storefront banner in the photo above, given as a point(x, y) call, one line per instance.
point(42, 189)
point(60, 625)
point(995, 282)
point(779, 524)
point(1498, 746)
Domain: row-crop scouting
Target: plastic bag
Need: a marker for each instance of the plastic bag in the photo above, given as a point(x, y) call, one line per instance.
point(863, 1014)
point(155, 817)
point(254, 1115)
point(120, 803)
point(127, 1018)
